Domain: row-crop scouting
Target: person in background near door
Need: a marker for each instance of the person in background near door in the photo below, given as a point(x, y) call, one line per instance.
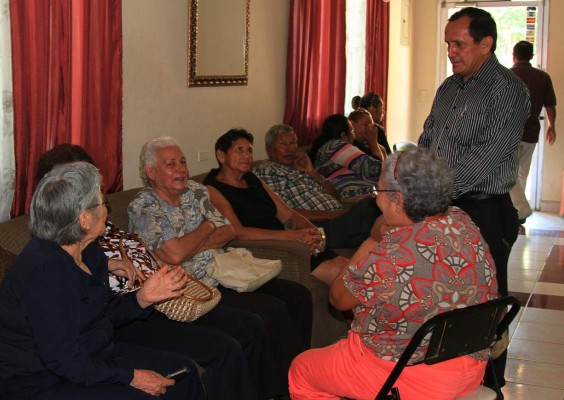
point(476, 123)
point(366, 134)
point(374, 104)
point(542, 94)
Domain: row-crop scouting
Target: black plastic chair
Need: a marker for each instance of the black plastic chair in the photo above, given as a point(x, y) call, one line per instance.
point(457, 333)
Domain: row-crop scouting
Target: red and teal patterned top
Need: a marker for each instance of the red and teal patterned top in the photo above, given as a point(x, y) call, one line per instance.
point(414, 273)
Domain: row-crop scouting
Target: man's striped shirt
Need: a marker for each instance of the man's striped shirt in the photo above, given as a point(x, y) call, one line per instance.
point(477, 126)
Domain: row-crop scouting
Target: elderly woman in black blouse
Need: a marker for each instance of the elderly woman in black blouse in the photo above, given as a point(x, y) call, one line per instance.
point(57, 312)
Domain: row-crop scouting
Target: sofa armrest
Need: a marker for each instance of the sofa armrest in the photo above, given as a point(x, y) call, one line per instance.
point(7, 258)
point(295, 256)
point(14, 234)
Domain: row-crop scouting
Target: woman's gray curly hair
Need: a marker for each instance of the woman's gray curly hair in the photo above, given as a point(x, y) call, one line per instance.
point(59, 199)
point(423, 178)
point(148, 155)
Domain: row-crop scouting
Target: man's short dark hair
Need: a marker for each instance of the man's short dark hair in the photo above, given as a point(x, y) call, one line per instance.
point(523, 51)
point(482, 24)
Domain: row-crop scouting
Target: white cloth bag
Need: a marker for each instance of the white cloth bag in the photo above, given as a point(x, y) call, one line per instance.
point(239, 270)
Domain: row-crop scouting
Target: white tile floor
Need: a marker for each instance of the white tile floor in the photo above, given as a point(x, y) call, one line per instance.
point(535, 365)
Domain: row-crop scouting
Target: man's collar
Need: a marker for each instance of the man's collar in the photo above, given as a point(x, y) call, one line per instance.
point(484, 73)
point(280, 165)
point(522, 64)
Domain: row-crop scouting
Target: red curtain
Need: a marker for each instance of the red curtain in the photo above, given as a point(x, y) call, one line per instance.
point(67, 78)
point(315, 75)
point(377, 35)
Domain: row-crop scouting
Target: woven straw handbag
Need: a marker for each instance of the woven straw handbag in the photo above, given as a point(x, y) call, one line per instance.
point(197, 298)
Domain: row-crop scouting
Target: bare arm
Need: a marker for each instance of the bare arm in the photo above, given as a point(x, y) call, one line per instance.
point(309, 235)
point(317, 215)
point(219, 238)
point(551, 131)
point(125, 268)
point(204, 237)
point(303, 163)
point(372, 141)
point(339, 296)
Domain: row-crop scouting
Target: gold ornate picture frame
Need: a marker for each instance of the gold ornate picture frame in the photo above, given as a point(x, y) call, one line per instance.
point(218, 42)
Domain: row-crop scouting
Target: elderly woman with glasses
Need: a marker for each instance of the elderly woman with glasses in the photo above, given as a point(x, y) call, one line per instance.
point(57, 312)
point(431, 259)
point(220, 352)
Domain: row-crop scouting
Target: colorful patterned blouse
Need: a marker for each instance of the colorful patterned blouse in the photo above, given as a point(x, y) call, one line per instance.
point(349, 169)
point(157, 221)
point(416, 272)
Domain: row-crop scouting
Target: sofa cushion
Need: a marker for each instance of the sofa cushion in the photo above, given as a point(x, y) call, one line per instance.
point(118, 207)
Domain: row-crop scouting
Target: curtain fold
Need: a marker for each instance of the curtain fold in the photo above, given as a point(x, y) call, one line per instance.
point(101, 119)
point(377, 39)
point(7, 162)
point(315, 75)
point(66, 62)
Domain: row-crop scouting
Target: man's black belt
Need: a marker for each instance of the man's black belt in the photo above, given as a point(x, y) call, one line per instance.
point(474, 197)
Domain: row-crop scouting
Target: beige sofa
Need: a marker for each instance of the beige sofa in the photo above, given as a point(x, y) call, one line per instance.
point(328, 324)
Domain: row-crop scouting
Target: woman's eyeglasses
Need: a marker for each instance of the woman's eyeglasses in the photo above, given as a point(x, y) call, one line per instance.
point(376, 191)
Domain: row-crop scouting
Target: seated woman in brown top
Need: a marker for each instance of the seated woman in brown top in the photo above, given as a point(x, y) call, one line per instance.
point(255, 211)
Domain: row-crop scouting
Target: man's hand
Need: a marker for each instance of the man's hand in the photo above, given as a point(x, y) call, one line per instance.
point(303, 163)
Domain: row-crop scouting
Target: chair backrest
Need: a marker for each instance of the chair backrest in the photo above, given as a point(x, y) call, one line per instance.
point(457, 333)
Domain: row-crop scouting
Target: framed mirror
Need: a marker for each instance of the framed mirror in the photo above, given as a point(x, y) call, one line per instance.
point(218, 42)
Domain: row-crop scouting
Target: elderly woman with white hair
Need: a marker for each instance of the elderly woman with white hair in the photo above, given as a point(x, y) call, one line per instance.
point(57, 311)
point(430, 259)
point(177, 220)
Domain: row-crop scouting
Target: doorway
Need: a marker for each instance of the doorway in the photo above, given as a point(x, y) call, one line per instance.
point(515, 20)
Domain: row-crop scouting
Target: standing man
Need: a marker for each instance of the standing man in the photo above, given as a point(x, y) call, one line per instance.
point(542, 94)
point(476, 123)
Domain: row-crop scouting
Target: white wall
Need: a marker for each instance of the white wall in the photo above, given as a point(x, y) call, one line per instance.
point(399, 125)
point(156, 100)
